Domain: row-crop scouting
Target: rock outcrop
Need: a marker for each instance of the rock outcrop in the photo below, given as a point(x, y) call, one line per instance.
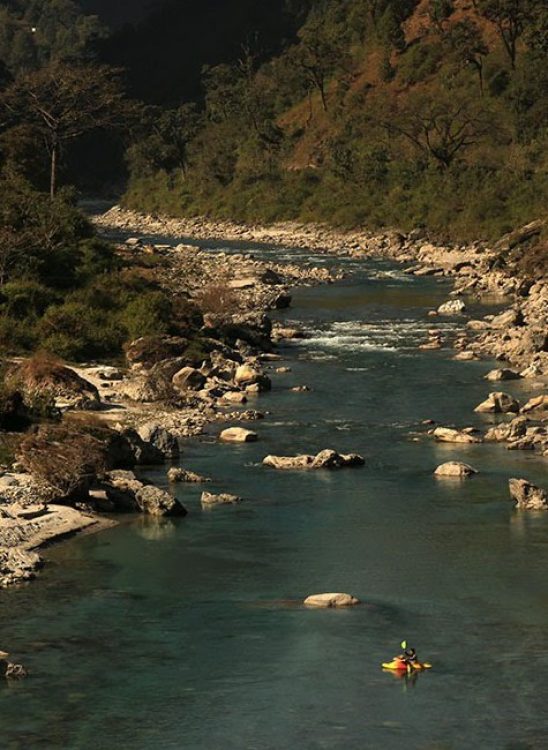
point(527, 495)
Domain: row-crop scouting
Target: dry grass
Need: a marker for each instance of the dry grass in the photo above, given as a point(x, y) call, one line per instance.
point(218, 299)
point(65, 459)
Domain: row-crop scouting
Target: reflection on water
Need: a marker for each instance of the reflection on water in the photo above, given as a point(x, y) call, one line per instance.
point(189, 633)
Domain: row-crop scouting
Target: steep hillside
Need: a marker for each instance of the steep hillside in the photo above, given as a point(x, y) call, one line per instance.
point(385, 113)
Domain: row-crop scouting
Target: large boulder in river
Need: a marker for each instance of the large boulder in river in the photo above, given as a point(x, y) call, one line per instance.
point(209, 499)
point(503, 373)
point(528, 496)
point(156, 502)
point(238, 435)
point(330, 459)
point(455, 470)
point(326, 459)
point(452, 307)
point(449, 435)
point(498, 403)
point(326, 601)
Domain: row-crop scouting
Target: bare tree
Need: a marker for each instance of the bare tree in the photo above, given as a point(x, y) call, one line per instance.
point(440, 127)
point(64, 102)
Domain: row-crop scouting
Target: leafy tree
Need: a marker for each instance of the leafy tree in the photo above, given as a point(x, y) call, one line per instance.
point(318, 56)
point(439, 12)
point(467, 43)
point(63, 103)
point(511, 17)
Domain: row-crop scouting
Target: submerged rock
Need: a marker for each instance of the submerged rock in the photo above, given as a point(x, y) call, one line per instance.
point(527, 495)
point(331, 600)
point(455, 469)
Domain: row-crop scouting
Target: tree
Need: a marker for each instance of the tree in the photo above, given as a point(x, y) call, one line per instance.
point(467, 43)
point(319, 56)
point(511, 17)
point(440, 126)
point(440, 11)
point(63, 103)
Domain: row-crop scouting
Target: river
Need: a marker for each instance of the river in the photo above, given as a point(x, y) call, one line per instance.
point(185, 633)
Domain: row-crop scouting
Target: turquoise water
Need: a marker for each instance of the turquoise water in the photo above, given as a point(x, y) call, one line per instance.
point(186, 634)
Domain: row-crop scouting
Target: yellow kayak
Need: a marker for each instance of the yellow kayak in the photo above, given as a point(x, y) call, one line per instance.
point(399, 665)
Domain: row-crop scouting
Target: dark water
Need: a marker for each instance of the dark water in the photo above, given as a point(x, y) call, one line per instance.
point(177, 634)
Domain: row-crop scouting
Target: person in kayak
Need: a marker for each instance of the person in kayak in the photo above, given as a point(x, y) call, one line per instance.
point(410, 657)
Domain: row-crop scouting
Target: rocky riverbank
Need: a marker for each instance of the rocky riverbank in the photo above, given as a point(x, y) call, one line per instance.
point(172, 387)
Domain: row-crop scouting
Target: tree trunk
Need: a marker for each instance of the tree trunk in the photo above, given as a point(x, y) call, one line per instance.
point(53, 173)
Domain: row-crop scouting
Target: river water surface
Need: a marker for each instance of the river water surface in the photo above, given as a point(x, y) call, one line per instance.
point(184, 634)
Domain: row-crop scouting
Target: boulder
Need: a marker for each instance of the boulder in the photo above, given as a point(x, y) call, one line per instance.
point(513, 430)
point(129, 494)
point(235, 397)
point(156, 502)
point(238, 435)
point(465, 356)
point(452, 307)
point(160, 438)
point(503, 373)
point(498, 403)
point(144, 453)
point(455, 469)
point(326, 459)
point(528, 496)
point(326, 601)
point(537, 403)
point(188, 379)
point(209, 499)
point(246, 376)
point(289, 462)
point(507, 319)
point(448, 435)
point(177, 474)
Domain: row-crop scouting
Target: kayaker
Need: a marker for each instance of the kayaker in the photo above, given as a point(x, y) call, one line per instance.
point(410, 656)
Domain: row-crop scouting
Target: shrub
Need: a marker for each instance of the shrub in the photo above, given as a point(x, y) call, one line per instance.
point(65, 459)
point(75, 331)
point(26, 299)
point(217, 299)
point(147, 315)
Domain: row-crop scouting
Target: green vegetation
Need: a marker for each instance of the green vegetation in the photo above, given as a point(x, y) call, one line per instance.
point(378, 115)
point(354, 112)
point(62, 289)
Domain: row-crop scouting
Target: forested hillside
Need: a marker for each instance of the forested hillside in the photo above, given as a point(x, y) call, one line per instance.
point(397, 113)
point(375, 112)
